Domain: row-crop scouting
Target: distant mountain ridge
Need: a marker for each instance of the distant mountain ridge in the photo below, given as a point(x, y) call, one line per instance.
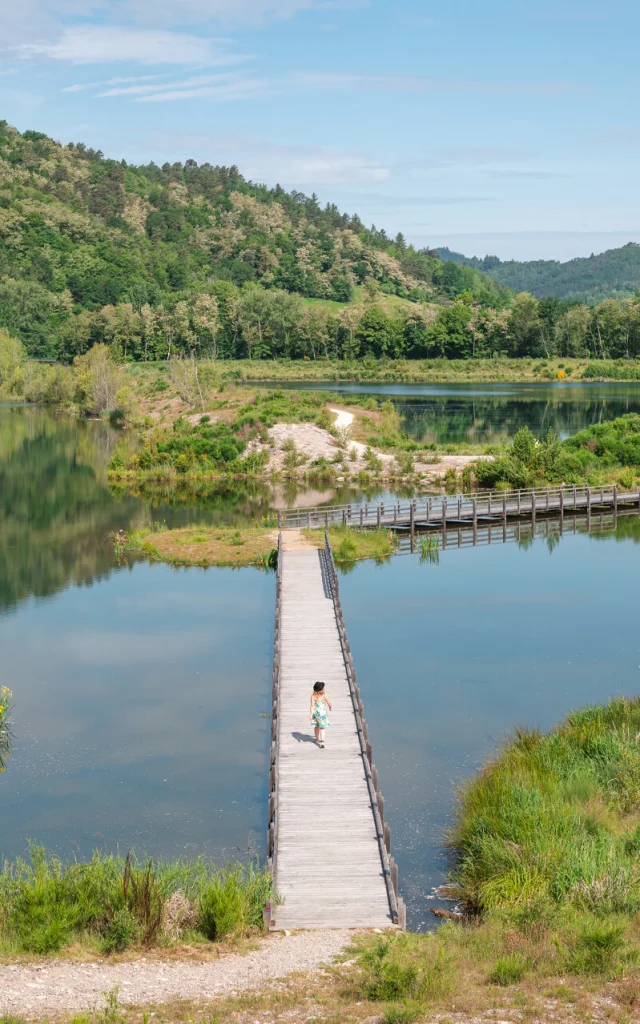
point(614, 274)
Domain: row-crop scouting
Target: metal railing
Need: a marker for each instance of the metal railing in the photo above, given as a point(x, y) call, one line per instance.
point(383, 833)
point(435, 510)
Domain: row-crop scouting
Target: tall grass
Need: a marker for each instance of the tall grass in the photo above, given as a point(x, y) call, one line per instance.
point(552, 821)
point(112, 903)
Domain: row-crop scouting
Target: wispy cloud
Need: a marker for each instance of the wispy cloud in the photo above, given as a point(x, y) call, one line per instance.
point(95, 44)
point(81, 86)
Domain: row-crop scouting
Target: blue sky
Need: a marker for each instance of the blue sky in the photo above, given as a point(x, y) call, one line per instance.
point(497, 127)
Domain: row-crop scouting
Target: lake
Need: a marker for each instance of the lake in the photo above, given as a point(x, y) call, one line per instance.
point(490, 413)
point(141, 691)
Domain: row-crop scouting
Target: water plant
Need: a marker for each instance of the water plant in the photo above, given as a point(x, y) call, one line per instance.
point(429, 550)
point(5, 731)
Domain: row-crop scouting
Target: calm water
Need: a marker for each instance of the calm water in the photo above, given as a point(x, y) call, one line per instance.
point(479, 413)
point(140, 690)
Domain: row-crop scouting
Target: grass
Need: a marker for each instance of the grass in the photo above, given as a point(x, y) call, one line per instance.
point(351, 544)
point(551, 825)
point(208, 545)
point(111, 904)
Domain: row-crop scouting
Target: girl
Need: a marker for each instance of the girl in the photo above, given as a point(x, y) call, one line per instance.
point(318, 712)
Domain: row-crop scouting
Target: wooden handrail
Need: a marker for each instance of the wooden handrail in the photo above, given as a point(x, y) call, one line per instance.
point(389, 867)
point(482, 502)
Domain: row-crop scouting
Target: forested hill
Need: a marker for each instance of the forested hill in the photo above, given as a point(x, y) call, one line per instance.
point(80, 234)
point(611, 274)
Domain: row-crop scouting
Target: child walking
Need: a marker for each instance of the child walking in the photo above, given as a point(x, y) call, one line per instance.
point(319, 712)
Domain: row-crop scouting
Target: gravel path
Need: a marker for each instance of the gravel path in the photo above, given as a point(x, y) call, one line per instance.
point(37, 989)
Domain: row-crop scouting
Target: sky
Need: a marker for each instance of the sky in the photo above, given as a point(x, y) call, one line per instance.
point(492, 127)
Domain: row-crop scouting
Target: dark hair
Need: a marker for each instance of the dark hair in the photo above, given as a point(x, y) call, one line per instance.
point(318, 687)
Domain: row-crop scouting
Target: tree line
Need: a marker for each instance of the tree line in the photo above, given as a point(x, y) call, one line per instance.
point(224, 322)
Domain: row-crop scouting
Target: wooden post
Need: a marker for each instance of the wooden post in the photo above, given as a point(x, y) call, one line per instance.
point(379, 516)
point(344, 517)
point(361, 517)
point(411, 520)
point(459, 508)
point(504, 507)
point(402, 914)
point(374, 776)
point(615, 498)
point(489, 508)
point(601, 495)
point(547, 504)
point(386, 832)
point(395, 515)
point(518, 502)
point(575, 498)
point(380, 805)
point(533, 510)
point(394, 874)
point(279, 522)
point(429, 508)
point(561, 498)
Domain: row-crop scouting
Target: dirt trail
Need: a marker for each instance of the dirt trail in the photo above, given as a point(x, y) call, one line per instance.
point(61, 986)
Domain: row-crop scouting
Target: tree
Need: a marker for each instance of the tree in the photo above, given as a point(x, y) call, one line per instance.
point(98, 379)
point(349, 320)
point(374, 332)
point(573, 331)
point(524, 326)
point(206, 321)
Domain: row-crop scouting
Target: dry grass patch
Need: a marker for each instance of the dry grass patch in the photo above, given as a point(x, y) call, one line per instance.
point(207, 545)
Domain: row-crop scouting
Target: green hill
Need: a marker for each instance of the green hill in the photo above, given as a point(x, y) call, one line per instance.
point(614, 274)
point(82, 236)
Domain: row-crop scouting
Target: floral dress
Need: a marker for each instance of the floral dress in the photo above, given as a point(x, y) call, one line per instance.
point(320, 716)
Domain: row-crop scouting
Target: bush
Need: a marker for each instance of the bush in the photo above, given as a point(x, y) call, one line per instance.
point(507, 970)
point(46, 905)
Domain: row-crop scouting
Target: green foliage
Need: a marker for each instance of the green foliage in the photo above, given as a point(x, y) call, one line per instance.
point(46, 904)
point(201, 448)
point(615, 272)
point(508, 970)
point(233, 900)
point(546, 822)
point(527, 462)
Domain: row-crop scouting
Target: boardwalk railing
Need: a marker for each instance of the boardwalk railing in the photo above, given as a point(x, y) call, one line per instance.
point(462, 507)
point(389, 866)
point(272, 838)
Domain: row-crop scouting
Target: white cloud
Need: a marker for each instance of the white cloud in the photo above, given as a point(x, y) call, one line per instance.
point(81, 86)
point(41, 23)
point(270, 162)
point(94, 44)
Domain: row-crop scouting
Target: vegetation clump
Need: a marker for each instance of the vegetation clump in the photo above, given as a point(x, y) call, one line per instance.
point(206, 545)
point(551, 823)
point(600, 451)
point(110, 904)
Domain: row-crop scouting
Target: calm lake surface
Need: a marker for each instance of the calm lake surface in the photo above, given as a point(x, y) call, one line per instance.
point(141, 691)
point(486, 413)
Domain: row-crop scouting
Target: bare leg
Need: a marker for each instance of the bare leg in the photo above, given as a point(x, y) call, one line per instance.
point(317, 733)
point(321, 731)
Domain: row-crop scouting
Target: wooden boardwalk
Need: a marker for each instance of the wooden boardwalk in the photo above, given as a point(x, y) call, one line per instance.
point(470, 508)
point(327, 838)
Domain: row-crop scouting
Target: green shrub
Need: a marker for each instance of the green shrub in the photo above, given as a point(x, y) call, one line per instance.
point(597, 950)
point(508, 970)
point(120, 932)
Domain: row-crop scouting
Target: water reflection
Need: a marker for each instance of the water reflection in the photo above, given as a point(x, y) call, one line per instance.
point(491, 413)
